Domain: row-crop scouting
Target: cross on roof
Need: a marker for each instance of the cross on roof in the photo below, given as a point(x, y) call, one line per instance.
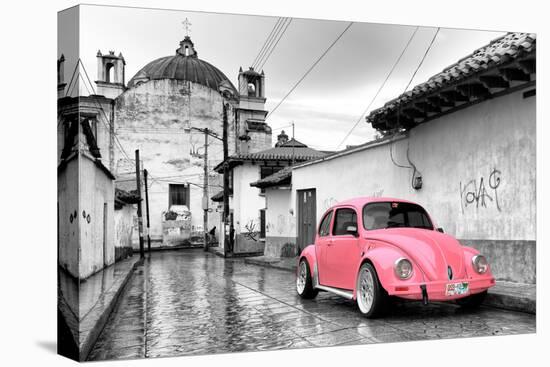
point(187, 25)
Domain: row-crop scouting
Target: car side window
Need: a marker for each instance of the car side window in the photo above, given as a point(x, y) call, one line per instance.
point(324, 228)
point(345, 217)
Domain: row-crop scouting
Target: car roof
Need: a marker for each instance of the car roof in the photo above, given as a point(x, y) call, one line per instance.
point(359, 202)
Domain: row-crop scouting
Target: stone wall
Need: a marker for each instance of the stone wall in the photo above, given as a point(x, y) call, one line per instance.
point(155, 118)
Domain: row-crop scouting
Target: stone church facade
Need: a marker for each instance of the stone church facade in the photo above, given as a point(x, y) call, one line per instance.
point(157, 112)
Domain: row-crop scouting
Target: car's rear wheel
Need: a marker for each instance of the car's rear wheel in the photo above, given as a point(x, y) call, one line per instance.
point(473, 301)
point(304, 282)
point(371, 296)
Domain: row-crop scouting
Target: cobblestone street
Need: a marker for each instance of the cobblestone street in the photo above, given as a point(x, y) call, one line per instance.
point(191, 302)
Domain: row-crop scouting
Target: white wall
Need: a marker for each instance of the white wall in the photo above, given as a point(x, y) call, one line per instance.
point(490, 140)
point(68, 216)
point(279, 221)
point(247, 200)
point(95, 189)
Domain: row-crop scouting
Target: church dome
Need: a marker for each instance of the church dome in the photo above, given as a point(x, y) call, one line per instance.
point(185, 66)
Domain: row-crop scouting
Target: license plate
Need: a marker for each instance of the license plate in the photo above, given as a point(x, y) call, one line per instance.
point(454, 289)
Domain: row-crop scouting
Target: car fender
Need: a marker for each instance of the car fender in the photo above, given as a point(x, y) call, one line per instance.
point(469, 253)
point(310, 255)
point(382, 257)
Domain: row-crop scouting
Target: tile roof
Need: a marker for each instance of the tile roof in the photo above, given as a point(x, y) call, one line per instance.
point(283, 153)
point(280, 177)
point(293, 143)
point(298, 154)
point(502, 52)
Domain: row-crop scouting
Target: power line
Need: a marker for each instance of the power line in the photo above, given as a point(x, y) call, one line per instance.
point(268, 39)
point(69, 86)
point(309, 70)
point(111, 128)
point(423, 58)
point(108, 124)
point(281, 34)
point(379, 89)
point(280, 127)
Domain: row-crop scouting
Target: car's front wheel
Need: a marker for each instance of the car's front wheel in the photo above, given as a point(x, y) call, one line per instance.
point(371, 296)
point(473, 301)
point(304, 282)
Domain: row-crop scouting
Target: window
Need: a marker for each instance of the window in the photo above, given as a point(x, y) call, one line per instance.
point(324, 227)
point(251, 90)
point(395, 214)
point(109, 73)
point(344, 218)
point(178, 194)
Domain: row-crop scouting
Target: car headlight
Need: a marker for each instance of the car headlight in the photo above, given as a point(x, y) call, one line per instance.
point(480, 264)
point(403, 268)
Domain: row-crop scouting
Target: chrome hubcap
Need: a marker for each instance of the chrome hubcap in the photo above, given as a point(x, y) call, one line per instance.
point(301, 278)
point(365, 291)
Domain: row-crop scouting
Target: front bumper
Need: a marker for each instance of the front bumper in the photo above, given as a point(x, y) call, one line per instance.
point(436, 289)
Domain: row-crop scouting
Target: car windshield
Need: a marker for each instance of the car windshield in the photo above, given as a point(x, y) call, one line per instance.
point(395, 214)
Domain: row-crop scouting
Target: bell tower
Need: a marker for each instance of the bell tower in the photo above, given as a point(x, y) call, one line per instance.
point(254, 133)
point(110, 74)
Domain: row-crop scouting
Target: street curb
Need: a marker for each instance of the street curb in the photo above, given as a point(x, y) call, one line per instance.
point(91, 339)
point(239, 255)
point(494, 299)
point(512, 303)
point(273, 265)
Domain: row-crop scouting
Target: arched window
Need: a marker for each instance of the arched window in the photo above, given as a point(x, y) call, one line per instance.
point(109, 73)
point(251, 90)
point(186, 50)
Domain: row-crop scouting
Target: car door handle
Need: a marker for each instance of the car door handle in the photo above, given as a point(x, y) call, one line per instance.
point(330, 243)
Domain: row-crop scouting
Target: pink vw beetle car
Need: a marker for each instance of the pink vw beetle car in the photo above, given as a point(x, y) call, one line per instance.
point(369, 249)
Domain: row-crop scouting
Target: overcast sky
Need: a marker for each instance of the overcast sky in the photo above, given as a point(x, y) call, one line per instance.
point(332, 97)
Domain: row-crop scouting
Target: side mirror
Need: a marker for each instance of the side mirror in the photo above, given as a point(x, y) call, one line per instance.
point(352, 230)
point(440, 230)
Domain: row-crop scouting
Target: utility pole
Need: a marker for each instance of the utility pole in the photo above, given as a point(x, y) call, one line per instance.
point(227, 248)
point(140, 219)
point(227, 92)
point(207, 132)
point(205, 190)
point(145, 173)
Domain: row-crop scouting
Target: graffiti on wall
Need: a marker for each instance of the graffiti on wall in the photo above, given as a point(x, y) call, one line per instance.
point(481, 192)
point(250, 231)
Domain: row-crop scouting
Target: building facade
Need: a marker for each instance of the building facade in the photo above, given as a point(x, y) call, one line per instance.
point(159, 111)
point(462, 145)
point(248, 218)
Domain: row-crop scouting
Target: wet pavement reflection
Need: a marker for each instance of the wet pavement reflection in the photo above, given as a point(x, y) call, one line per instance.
point(190, 302)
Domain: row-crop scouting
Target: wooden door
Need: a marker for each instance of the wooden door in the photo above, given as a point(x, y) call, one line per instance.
point(307, 217)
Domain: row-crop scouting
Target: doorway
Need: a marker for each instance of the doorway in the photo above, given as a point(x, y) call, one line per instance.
point(307, 217)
